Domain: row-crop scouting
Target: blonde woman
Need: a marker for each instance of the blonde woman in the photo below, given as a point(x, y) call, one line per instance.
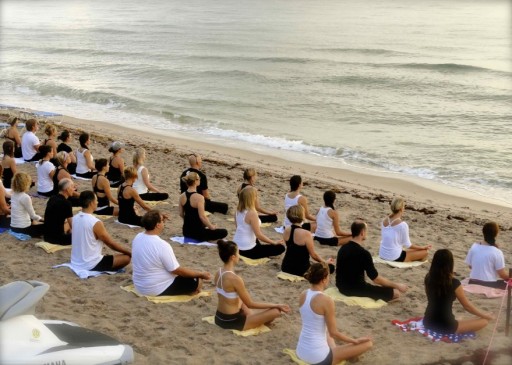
point(316, 342)
point(196, 224)
point(395, 236)
point(127, 196)
point(299, 245)
point(266, 216)
point(146, 190)
point(13, 135)
point(234, 301)
point(22, 211)
point(248, 233)
point(8, 163)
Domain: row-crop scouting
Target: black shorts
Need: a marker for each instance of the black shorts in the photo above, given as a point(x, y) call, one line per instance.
point(181, 286)
point(327, 360)
point(230, 321)
point(371, 291)
point(444, 328)
point(401, 258)
point(105, 211)
point(333, 241)
point(47, 194)
point(106, 264)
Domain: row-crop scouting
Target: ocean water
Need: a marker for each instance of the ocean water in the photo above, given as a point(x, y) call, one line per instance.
point(419, 88)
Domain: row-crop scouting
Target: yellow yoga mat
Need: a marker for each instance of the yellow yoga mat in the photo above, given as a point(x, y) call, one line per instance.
point(289, 277)
point(363, 302)
point(398, 265)
point(252, 332)
point(254, 262)
point(166, 298)
point(50, 247)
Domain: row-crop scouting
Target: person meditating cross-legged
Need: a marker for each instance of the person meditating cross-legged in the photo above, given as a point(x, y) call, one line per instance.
point(352, 263)
point(266, 215)
point(316, 342)
point(234, 301)
point(328, 231)
point(116, 164)
point(486, 260)
point(58, 215)
point(294, 197)
point(196, 224)
point(84, 160)
point(142, 184)
point(156, 270)
point(127, 196)
point(442, 289)
point(299, 245)
point(395, 236)
point(248, 233)
point(101, 187)
point(22, 210)
point(88, 234)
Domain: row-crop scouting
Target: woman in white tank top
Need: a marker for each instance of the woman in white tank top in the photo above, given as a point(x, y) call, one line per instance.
point(142, 185)
point(316, 342)
point(295, 198)
point(328, 231)
point(248, 233)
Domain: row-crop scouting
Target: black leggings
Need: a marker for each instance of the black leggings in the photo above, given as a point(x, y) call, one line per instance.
point(215, 207)
point(153, 197)
point(259, 251)
point(204, 234)
point(63, 239)
point(34, 230)
point(268, 218)
point(370, 291)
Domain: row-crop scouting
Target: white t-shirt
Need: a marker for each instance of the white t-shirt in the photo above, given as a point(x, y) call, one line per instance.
point(485, 260)
point(85, 248)
point(44, 181)
point(22, 211)
point(139, 184)
point(244, 237)
point(324, 228)
point(394, 239)
point(28, 141)
point(152, 262)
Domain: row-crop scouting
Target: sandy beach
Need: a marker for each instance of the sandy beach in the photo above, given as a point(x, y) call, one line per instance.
point(175, 334)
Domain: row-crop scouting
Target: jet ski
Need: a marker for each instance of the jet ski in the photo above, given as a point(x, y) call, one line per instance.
point(26, 340)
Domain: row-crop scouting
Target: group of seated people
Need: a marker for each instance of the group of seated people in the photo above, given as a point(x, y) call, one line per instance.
point(156, 271)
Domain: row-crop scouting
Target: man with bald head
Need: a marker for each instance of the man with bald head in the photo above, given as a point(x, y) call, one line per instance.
point(196, 163)
point(58, 215)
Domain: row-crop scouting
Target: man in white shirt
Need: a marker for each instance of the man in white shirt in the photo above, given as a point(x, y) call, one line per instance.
point(30, 143)
point(156, 270)
point(87, 238)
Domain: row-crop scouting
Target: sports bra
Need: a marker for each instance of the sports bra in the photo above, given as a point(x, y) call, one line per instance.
point(221, 291)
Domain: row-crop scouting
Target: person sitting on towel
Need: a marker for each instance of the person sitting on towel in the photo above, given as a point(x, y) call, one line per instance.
point(442, 289)
point(353, 261)
point(486, 260)
point(156, 270)
point(316, 342)
point(196, 164)
point(58, 215)
point(88, 235)
point(234, 301)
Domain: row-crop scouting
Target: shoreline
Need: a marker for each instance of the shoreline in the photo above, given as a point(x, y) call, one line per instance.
point(381, 183)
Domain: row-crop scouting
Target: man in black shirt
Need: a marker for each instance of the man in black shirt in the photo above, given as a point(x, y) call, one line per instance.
point(58, 215)
point(196, 163)
point(352, 263)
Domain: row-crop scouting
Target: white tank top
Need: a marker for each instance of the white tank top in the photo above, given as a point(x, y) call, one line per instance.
point(244, 237)
point(138, 184)
point(324, 228)
point(81, 163)
point(312, 347)
point(85, 248)
point(289, 202)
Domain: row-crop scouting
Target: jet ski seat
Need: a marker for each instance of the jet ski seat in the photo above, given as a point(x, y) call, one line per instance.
point(20, 297)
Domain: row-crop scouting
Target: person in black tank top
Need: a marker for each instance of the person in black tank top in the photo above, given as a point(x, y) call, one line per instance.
point(115, 174)
point(196, 224)
point(101, 187)
point(8, 163)
point(299, 245)
point(127, 196)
